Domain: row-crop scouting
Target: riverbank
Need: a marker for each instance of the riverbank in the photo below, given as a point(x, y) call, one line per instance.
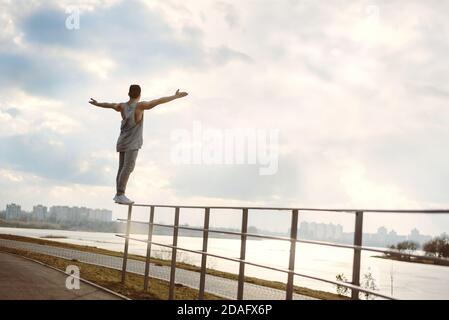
point(114, 227)
point(271, 284)
point(47, 225)
point(419, 260)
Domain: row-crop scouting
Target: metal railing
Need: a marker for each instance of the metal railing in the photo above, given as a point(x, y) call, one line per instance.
point(354, 286)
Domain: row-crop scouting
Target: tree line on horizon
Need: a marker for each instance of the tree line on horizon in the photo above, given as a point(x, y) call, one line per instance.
point(436, 247)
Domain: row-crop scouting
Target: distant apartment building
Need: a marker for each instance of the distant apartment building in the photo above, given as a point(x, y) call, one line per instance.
point(338, 232)
point(394, 238)
point(13, 211)
point(79, 214)
point(417, 237)
point(379, 238)
point(100, 215)
point(320, 231)
point(39, 212)
point(334, 233)
point(384, 238)
point(60, 213)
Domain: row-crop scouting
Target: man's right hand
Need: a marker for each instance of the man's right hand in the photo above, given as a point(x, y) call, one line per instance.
point(93, 102)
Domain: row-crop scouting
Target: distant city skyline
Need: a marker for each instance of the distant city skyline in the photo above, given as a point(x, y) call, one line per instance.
point(344, 222)
point(41, 213)
point(383, 237)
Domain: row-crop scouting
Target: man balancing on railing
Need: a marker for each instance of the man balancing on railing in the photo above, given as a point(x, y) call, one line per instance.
point(131, 138)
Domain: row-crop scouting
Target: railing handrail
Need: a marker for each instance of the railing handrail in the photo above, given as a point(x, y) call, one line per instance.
point(339, 283)
point(354, 285)
point(269, 237)
point(401, 211)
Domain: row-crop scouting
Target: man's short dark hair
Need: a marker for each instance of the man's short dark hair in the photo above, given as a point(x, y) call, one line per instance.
point(134, 91)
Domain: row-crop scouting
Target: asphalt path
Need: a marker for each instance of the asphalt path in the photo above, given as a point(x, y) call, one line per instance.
point(23, 279)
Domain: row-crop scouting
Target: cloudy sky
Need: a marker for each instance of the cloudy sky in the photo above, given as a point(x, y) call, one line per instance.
point(357, 89)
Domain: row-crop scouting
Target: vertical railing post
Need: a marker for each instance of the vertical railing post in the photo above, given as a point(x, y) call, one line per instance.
point(358, 233)
point(204, 256)
point(241, 283)
point(291, 265)
point(171, 293)
point(148, 260)
point(125, 251)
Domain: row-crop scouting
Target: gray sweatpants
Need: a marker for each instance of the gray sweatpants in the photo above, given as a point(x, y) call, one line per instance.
point(127, 164)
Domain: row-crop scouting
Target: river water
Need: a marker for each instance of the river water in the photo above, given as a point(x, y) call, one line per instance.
point(404, 280)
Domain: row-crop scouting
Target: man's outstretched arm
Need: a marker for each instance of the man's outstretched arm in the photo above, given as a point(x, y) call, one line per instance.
point(116, 106)
point(151, 104)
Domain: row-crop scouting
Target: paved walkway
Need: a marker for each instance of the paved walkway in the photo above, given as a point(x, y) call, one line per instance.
point(22, 279)
point(222, 287)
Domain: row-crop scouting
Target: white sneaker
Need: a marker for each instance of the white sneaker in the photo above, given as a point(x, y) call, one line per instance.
point(122, 199)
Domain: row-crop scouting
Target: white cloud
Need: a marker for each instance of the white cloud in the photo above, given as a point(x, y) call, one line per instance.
point(34, 114)
point(11, 176)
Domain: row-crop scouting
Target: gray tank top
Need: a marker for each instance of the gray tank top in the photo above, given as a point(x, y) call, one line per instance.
point(131, 133)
